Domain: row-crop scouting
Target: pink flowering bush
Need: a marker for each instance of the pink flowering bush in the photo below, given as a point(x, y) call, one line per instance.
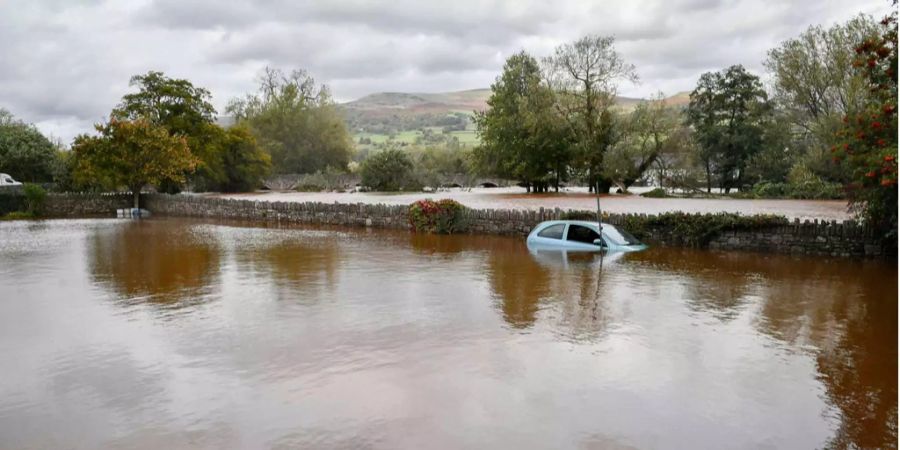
point(442, 216)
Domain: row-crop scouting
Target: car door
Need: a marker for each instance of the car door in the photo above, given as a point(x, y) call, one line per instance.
point(582, 238)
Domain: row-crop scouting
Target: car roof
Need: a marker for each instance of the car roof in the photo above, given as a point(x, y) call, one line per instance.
point(584, 223)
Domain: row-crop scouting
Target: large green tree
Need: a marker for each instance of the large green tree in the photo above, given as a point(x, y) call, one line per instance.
point(869, 138)
point(295, 120)
point(521, 135)
point(644, 136)
point(131, 154)
point(25, 153)
point(729, 112)
point(244, 162)
point(584, 76)
point(184, 110)
point(815, 85)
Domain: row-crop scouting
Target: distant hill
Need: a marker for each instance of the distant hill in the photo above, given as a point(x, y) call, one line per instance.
point(394, 112)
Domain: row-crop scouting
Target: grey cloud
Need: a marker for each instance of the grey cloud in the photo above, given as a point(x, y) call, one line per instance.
point(64, 64)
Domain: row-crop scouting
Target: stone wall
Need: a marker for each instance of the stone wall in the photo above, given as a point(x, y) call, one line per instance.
point(86, 204)
point(68, 204)
point(809, 237)
point(11, 199)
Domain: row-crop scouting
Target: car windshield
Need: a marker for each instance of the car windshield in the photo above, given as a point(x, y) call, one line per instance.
point(619, 236)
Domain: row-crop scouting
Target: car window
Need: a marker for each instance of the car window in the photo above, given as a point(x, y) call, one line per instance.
point(553, 231)
point(619, 236)
point(583, 234)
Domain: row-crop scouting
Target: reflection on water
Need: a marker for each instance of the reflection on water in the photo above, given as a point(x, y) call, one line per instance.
point(518, 282)
point(149, 261)
point(348, 338)
point(299, 265)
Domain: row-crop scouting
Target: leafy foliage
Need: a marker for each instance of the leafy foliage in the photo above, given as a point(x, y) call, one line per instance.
point(184, 110)
point(728, 112)
point(174, 103)
point(25, 153)
point(578, 215)
point(244, 162)
point(656, 193)
point(869, 139)
point(698, 229)
point(389, 170)
point(131, 154)
point(296, 122)
point(815, 85)
point(584, 77)
point(443, 216)
point(35, 199)
point(439, 165)
point(521, 135)
point(646, 134)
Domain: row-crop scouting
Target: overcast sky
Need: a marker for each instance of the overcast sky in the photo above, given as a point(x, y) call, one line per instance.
point(65, 63)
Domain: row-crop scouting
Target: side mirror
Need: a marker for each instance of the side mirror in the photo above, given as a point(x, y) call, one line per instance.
point(599, 242)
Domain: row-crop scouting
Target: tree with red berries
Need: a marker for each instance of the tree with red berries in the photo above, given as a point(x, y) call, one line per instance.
point(868, 147)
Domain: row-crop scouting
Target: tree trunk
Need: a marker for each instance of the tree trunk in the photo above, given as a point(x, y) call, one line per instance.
point(556, 183)
point(603, 186)
point(136, 192)
point(708, 179)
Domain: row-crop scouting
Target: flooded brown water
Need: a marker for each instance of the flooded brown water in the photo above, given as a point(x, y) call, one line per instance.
point(170, 333)
point(576, 198)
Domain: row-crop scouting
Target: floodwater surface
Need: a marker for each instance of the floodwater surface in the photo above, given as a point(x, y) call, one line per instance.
point(174, 333)
point(575, 198)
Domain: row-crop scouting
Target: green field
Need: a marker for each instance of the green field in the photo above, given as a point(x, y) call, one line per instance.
point(467, 138)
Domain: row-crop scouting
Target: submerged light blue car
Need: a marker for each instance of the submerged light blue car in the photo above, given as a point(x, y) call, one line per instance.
point(578, 235)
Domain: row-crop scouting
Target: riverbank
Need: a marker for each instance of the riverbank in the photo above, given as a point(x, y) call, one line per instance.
point(515, 198)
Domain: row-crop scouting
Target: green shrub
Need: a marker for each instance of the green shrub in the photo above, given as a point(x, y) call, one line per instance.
point(309, 187)
point(656, 193)
point(35, 198)
point(389, 170)
point(768, 189)
point(815, 189)
point(805, 184)
point(698, 229)
point(578, 215)
point(442, 216)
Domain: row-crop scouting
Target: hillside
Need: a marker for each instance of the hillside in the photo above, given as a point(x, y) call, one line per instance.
point(396, 112)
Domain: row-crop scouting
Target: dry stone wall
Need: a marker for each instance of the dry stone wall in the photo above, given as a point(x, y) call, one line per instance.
point(810, 237)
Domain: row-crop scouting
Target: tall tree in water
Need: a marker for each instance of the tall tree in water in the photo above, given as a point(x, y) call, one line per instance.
point(585, 76)
point(728, 111)
point(521, 136)
point(296, 122)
